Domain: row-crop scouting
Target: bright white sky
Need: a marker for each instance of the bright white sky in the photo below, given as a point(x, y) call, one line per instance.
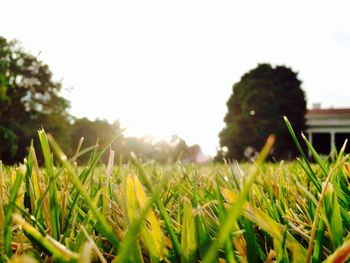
point(167, 67)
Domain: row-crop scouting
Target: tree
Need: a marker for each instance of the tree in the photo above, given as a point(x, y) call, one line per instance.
point(29, 99)
point(256, 109)
point(98, 131)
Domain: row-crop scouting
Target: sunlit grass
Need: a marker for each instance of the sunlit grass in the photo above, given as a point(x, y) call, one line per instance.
point(259, 212)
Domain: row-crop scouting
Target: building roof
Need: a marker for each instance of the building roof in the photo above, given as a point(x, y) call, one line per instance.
point(328, 118)
point(328, 111)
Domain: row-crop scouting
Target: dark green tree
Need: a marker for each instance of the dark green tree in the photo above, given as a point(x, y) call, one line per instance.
point(256, 109)
point(29, 99)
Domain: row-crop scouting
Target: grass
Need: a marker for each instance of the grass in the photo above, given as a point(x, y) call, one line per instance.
point(260, 212)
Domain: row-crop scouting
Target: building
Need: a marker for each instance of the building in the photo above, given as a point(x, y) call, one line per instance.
point(328, 128)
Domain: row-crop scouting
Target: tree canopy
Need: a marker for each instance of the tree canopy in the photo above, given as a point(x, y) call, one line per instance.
point(256, 108)
point(29, 98)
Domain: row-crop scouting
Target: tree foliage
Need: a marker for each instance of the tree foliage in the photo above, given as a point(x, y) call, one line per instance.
point(144, 148)
point(160, 151)
point(256, 109)
point(29, 98)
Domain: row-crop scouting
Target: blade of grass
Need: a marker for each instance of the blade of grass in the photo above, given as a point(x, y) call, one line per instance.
point(95, 157)
point(39, 192)
point(332, 210)
point(342, 254)
point(50, 244)
point(188, 236)
point(282, 255)
point(202, 235)
point(310, 173)
point(54, 213)
point(234, 211)
point(276, 231)
point(318, 159)
point(29, 199)
point(251, 242)
point(106, 183)
point(135, 225)
point(342, 151)
point(88, 222)
point(2, 217)
point(317, 253)
point(32, 219)
point(154, 232)
point(10, 209)
point(168, 224)
point(318, 208)
point(106, 229)
point(78, 149)
point(229, 251)
point(133, 208)
point(93, 245)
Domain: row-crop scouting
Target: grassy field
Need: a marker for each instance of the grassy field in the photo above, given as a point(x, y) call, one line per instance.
point(259, 212)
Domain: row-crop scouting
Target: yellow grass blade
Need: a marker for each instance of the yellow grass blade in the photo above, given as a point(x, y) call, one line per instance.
point(264, 221)
point(151, 232)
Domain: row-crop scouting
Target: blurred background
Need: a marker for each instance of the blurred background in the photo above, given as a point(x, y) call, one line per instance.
point(161, 70)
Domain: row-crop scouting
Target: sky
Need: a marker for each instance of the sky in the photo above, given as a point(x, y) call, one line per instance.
point(167, 67)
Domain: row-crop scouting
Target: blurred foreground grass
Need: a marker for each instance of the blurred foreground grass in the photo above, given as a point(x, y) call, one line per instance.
point(260, 212)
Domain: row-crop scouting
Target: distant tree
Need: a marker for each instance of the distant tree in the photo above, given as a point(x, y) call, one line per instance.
point(143, 148)
point(29, 98)
point(194, 154)
point(98, 131)
point(256, 109)
point(163, 151)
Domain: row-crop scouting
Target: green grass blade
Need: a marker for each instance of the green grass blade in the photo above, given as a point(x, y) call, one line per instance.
point(319, 211)
point(106, 229)
point(235, 210)
point(310, 172)
point(332, 209)
point(319, 240)
point(202, 235)
point(251, 242)
point(56, 249)
point(87, 223)
point(277, 232)
point(8, 217)
point(2, 216)
point(29, 199)
point(188, 236)
point(85, 174)
point(318, 159)
point(342, 151)
point(54, 212)
point(229, 251)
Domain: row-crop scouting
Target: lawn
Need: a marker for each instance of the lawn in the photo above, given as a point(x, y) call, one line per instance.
point(145, 212)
